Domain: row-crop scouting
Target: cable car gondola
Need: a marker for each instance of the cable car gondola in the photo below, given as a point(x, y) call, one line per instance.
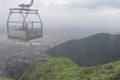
point(24, 30)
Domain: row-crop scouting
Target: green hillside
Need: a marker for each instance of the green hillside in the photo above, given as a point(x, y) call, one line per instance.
point(93, 50)
point(65, 69)
point(14, 70)
point(1, 78)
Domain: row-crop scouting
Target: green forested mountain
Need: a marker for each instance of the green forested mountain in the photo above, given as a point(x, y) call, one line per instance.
point(65, 69)
point(93, 50)
point(97, 50)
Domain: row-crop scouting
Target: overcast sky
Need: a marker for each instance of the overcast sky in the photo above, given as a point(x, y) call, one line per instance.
point(97, 15)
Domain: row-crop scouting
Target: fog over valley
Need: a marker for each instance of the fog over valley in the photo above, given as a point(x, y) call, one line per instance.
point(60, 40)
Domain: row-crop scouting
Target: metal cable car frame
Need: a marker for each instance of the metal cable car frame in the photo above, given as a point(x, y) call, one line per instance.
point(26, 6)
point(24, 13)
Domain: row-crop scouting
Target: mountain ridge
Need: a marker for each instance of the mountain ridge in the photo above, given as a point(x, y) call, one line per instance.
point(97, 49)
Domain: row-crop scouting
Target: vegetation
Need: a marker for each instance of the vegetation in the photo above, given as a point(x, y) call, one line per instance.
point(93, 50)
point(65, 69)
point(14, 70)
point(4, 78)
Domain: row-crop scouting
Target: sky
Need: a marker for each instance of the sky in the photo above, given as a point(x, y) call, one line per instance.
point(83, 16)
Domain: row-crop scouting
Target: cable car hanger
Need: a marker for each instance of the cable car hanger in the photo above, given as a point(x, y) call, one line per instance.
point(26, 6)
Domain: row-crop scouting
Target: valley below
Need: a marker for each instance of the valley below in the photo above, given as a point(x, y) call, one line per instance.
point(96, 57)
point(12, 51)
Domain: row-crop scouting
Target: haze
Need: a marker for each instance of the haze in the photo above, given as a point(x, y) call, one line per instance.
point(70, 16)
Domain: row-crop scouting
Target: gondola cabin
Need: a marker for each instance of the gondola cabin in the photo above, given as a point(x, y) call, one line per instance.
point(21, 26)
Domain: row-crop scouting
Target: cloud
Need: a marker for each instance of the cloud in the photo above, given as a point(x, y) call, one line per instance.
point(94, 4)
point(54, 2)
point(90, 4)
point(83, 12)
